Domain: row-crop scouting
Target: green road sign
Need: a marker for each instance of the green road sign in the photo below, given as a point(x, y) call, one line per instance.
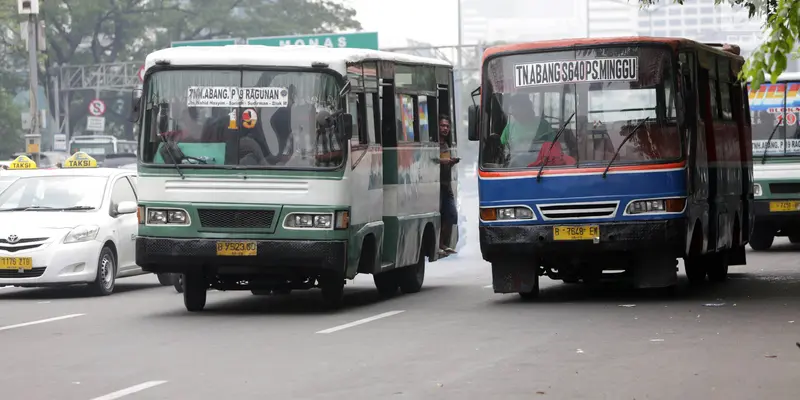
point(358, 40)
point(212, 42)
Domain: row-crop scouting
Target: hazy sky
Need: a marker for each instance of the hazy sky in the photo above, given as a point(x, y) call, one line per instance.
point(438, 25)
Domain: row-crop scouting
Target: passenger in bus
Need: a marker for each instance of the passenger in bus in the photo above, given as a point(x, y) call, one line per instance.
point(448, 202)
point(524, 126)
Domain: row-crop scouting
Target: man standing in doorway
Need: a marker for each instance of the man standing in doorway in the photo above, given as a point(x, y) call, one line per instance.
point(448, 201)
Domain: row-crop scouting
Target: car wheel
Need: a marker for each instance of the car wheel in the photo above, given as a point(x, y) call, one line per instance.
point(332, 291)
point(105, 281)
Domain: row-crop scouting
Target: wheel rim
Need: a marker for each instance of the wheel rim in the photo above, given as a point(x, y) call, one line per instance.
point(106, 271)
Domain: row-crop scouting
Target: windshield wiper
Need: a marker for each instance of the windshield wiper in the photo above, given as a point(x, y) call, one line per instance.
point(766, 147)
point(27, 208)
point(76, 208)
point(616, 153)
point(555, 140)
point(175, 161)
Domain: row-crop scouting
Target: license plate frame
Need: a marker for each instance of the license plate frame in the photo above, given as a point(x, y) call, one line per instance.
point(783, 206)
point(576, 232)
point(16, 263)
point(237, 248)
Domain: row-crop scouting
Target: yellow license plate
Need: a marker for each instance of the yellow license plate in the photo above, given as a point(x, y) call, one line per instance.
point(16, 263)
point(238, 249)
point(576, 232)
point(783, 206)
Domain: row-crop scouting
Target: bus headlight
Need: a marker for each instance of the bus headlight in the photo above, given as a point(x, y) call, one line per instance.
point(169, 216)
point(757, 190)
point(309, 221)
point(506, 213)
point(655, 206)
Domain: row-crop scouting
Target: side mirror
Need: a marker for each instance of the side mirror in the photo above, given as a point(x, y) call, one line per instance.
point(472, 123)
point(346, 121)
point(163, 118)
point(136, 105)
point(127, 207)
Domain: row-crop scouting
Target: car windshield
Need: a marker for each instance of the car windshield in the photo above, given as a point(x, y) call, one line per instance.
point(54, 192)
point(600, 95)
point(775, 108)
point(249, 119)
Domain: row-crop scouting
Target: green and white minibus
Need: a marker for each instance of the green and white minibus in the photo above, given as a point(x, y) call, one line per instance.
point(273, 169)
point(774, 110)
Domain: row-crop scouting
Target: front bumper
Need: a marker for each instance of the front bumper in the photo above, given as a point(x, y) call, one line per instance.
point(55, 264)
point(763, 214)
point(170, 255)
point(665, 236)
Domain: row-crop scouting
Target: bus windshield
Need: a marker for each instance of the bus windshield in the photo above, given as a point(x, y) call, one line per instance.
point(248, 119)
point(97, 149)
point(599, 96)
point(774, 110)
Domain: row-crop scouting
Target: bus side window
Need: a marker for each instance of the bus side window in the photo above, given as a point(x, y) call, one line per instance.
point(372, 118)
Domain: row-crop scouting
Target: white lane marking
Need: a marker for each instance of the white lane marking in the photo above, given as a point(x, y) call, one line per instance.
point(361, 321)
point(488, 286)
point(130, 390)
point(41, 321)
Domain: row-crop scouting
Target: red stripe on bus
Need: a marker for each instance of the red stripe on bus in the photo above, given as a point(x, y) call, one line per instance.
point(562, 171)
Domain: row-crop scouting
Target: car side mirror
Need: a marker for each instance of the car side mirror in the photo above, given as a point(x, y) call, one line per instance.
point(347, 125)
point(472, 123)
point(127, 207)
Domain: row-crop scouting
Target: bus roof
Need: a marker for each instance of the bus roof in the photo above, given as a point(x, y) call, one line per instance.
point(285, 56)
point(567, 43)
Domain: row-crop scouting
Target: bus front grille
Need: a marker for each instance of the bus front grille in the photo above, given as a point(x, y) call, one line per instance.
point(578, 210)
point(233, 219)
point(784, 188)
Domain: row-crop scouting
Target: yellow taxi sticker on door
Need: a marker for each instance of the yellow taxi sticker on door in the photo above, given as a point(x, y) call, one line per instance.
point(22, 162)
point(80, 160)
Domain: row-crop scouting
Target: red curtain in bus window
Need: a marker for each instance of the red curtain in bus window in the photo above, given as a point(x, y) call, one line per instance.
point(553, 154)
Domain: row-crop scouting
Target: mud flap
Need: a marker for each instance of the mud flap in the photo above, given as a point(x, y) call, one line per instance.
point(515, 277)
point(655, 273)
point(737, 256)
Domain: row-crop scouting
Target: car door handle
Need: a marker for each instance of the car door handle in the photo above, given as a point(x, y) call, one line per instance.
point(133, 236)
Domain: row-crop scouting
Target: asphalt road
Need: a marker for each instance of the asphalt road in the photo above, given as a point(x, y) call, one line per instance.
point(454, 340)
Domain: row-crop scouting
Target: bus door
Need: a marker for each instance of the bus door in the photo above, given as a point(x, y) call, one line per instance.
point(707, 116)
point(446, 105)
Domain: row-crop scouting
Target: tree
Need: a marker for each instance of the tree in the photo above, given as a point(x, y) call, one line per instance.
point(106, 31)
point(11, 139)
point(782, 29)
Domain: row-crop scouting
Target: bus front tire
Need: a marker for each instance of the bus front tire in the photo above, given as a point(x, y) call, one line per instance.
point(386, 283)
point(195, 289)
point(794, 239)
point(762, 239)
point(532, 294)
point(165, 279)
point(718, 266)
point(695, 267)
point(332, 288)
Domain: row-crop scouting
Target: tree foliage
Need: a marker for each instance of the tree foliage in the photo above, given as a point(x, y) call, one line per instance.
point(82, 32)
point(781, 36)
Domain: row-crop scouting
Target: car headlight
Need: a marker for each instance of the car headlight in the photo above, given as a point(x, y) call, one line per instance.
point(757, 190)
point(83, 233)
point(157, 216)
point(314, 221)
point(655, 206)
point(506, 213)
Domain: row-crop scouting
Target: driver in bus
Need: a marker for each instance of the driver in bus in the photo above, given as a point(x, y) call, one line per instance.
point(524, 127)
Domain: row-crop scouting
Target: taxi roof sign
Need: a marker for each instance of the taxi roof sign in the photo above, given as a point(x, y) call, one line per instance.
point(80, 160)
point(22, 162)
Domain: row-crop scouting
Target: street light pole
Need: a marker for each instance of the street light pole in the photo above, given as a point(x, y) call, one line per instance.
point(34, 139)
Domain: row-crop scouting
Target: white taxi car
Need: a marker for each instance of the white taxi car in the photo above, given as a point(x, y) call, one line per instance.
point(74, 225)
